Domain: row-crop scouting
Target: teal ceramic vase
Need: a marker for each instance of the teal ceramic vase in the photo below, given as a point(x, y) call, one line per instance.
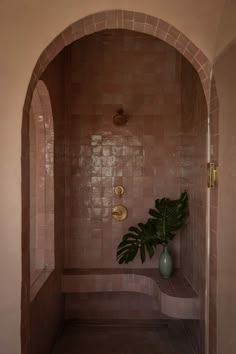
point(165, 263)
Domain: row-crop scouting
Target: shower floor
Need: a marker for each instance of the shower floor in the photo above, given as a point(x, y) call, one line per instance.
point(165, 337)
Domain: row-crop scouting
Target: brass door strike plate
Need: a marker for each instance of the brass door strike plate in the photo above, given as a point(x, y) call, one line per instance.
point(212, 175)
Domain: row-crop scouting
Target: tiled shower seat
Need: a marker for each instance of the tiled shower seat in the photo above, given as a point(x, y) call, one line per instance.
point(176, 297)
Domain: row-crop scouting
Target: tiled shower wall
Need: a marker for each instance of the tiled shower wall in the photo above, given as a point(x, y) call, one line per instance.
point(41, 183)
point(193, 174)
point(112, 305)
point(104, 72)
point(160, 151)
point(46, 309)
point(194, 180)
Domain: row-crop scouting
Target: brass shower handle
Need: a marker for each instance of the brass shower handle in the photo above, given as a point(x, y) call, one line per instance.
point(119, 213)
point(119, 191)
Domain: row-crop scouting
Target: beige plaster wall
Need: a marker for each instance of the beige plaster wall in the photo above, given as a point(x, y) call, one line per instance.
point(26, 29)
point(227, 27)
point(225, 75)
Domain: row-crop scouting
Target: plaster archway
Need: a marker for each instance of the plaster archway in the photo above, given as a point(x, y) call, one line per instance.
point(139, 22)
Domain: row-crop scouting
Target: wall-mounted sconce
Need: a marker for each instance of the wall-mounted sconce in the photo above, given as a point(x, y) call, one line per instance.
point(120, 118)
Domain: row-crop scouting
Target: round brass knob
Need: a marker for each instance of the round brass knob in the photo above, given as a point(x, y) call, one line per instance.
point(119, 191)
point(119, 213)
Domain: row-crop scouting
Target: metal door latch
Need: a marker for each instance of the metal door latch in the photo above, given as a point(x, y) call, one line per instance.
point(212, 173)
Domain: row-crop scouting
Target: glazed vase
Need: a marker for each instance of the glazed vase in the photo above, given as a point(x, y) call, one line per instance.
point(165, 263)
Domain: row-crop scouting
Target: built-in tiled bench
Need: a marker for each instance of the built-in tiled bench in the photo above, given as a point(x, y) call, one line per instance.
point(176, 297)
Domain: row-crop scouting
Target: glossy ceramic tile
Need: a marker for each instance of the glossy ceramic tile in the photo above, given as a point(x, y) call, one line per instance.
point(194, 180)
point(142, 75)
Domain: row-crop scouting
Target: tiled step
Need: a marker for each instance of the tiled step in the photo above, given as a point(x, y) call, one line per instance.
point(176, 297)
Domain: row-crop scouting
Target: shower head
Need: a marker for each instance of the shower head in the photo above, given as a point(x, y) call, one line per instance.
point(120, 118)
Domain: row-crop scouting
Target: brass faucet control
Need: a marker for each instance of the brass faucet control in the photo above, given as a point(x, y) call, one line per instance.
point(119, 213)
point(119, 191)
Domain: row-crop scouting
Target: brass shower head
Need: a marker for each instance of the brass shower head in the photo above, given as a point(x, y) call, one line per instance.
point(120, 118)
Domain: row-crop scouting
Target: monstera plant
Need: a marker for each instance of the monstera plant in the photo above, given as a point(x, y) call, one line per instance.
point(167, 218)
point(140, 239)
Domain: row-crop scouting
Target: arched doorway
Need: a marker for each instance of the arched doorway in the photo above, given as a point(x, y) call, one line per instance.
point(137, 22)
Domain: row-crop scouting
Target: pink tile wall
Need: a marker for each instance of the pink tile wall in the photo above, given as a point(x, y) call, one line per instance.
point(175, 298)
point(194, 180)
point(193, 173)
point(47, 308)
point(134, 21)
point(46, 313)
point(104, 72)
point(108, 19)
point(41, 182)
point(115, 305)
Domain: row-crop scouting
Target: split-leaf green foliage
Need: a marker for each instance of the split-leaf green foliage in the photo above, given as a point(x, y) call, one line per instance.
point(167, 218)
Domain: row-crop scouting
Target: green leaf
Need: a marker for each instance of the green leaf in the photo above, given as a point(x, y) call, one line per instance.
point(142, 253)
point(139, 239)
point(126, 242)
point(150, 249)
point(167, 218)
point(154, 213)
point(136, 230)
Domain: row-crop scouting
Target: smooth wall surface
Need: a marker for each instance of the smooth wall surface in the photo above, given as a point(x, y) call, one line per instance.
point(227, 27)
point(224, 70)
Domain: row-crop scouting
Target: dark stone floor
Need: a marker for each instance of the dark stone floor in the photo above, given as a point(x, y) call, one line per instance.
point(167, 337)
